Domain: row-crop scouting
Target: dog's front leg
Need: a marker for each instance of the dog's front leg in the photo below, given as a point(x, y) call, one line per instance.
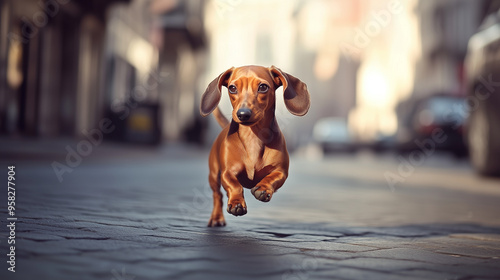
point(265, 189)
point(236, 204)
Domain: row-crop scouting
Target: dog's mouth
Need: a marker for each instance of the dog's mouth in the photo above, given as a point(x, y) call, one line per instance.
point(247, 123)
point(255, 118)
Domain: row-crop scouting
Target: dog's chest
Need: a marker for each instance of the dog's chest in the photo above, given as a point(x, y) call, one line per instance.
point(253, 159)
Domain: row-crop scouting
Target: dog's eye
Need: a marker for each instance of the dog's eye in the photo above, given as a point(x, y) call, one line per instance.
point(232, 89)
point(263, 88)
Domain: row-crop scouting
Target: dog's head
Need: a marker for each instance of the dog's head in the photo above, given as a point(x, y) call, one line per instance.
point(252, 93)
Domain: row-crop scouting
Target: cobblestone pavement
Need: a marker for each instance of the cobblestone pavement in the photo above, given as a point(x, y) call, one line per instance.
point(140, 213)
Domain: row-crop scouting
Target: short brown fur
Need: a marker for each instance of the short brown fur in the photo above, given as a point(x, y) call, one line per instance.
point(252, 153)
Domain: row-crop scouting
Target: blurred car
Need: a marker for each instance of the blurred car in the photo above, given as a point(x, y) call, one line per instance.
point(482, 67)
point(332, 134)
point(419, 120)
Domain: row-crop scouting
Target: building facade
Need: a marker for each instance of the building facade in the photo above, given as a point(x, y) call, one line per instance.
point(50, 58)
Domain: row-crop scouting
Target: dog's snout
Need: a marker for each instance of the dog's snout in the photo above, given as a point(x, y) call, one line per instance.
point(244, 114)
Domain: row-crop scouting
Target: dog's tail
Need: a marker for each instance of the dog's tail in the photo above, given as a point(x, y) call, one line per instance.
point(221, 119)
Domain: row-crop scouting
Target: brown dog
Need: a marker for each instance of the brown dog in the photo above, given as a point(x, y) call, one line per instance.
point(250, 152)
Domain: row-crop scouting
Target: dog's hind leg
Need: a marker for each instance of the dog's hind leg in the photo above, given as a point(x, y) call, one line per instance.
point(217, 217)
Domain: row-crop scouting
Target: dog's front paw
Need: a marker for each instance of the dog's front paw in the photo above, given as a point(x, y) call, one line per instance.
point(237, 210)
point(262, 193)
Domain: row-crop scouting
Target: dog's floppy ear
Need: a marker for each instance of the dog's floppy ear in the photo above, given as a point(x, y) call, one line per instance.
point(295, 92)
point(211, 97)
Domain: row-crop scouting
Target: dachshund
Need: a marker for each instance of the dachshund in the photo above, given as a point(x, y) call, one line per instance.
point(250, 152)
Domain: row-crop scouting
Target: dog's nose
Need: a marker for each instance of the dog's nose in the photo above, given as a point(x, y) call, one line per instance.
point(244, 114)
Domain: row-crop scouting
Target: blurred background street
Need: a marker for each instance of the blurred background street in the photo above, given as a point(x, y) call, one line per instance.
point(394, 170)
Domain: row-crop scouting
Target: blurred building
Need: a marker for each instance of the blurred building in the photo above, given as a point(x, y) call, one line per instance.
point(130, 65)
point(445, 29)
point(180, 37)
point(50, 65)
point(418, 51)
point(386, 43)
point(154, 58)
point(65, 65)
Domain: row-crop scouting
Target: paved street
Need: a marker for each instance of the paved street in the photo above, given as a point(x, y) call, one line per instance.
point(126, 212)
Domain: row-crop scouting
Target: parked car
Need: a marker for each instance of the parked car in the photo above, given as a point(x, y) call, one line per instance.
point(420, 119)
point(482, 65)
point(333, 135)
